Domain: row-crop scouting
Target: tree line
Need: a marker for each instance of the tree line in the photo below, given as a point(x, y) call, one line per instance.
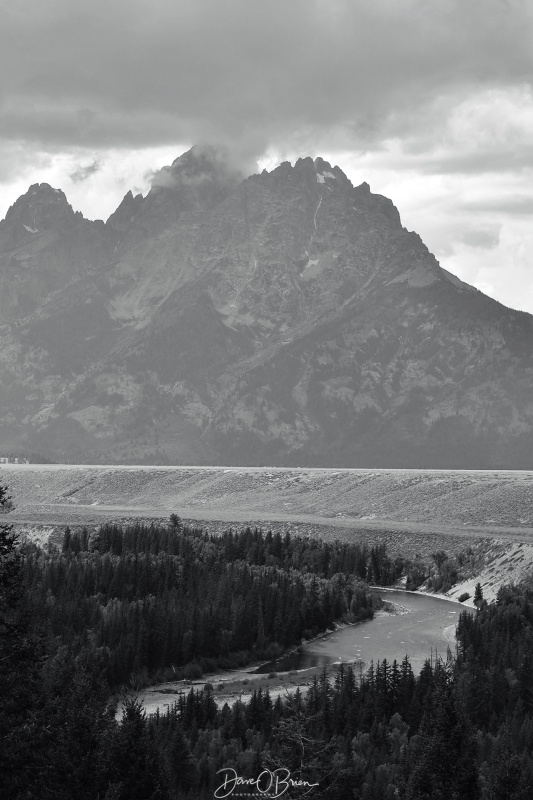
point(169, 601)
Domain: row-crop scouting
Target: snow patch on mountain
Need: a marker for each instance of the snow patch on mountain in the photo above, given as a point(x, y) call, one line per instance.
point(321, 176)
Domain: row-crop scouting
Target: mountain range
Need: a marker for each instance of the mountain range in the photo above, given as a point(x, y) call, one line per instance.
point(283, 318)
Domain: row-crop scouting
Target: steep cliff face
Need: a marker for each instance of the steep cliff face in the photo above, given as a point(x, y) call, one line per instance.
point(284, 318)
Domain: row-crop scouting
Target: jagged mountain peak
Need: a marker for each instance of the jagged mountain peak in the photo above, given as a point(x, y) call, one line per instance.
point(41, 203)
point(44, 190)
point(285, 317)
point(325, 169)
point(194, 183)
point(322, 180)
point(306, 169)
point(201, 175)
point(121, 219)
point(41, 209)
point(207, 158)
point(44, 245)
point(41, 193)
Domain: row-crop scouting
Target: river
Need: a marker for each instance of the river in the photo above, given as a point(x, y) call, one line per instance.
point(425, 627)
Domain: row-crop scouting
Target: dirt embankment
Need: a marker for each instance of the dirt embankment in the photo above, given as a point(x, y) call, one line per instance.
point(414, 512)
point(404, 504)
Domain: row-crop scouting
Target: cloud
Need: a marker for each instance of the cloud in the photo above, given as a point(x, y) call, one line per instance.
point(251, 74)
point(485, 238)
point(210, 163)
point(81, 174)
point(119, 171)
point(518, 205)
point(430, 102)
point(503, 271)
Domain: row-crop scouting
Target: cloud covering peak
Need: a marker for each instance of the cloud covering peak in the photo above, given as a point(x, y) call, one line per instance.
point(430, 102)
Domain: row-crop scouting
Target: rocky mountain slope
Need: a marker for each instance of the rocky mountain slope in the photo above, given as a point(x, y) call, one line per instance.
point(287, 318)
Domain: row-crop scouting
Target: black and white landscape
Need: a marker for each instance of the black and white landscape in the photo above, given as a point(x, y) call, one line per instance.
point(266, 400)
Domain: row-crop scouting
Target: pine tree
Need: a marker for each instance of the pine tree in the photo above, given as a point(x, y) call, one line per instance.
point(478, 595)
point(175, 522)
point(20, 737)
point(180, 764)
point(138, 772)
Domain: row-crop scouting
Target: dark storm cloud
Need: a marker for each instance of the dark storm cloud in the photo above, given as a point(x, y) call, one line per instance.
point(247, 72)
point(81, 174)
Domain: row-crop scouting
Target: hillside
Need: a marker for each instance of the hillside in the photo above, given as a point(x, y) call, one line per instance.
point(481, 504)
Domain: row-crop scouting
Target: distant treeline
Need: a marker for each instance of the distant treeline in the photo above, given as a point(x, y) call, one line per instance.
point(160, 602)
point(24, 455)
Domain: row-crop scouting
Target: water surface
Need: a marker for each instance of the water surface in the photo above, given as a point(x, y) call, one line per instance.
point(424, 631)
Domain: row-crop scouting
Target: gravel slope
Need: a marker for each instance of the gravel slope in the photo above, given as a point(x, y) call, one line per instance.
point(480, 499)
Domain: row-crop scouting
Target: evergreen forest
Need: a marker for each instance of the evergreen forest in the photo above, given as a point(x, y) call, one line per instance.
point(122, 607)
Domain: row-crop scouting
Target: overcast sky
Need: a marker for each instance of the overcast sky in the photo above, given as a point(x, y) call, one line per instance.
point(429, 101)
